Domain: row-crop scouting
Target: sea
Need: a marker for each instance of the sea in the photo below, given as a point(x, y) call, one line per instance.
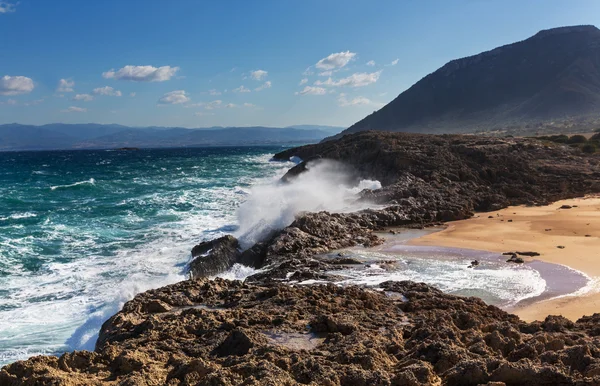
point(82, 232)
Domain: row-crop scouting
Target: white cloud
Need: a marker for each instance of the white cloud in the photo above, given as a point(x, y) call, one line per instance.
point(107, 90)
point(6, 7)
point(132, 94)
point(265, 85)
point(213, 105)
point(335, 61)
point(259, 74)
point(83, 97)
point(326, 73)
point(142, 73)
point(309, 90)
point(308, 71)
point(394, 62)
point(241, 89)
point(371, 63)
point(74, 109)
point(174, 98)
point(65, 85)
point(357, 101)
point(230, 105)
point(249, 105)
point(214, 92)
point(14, 85)
point(303, 81)
point(359, 79)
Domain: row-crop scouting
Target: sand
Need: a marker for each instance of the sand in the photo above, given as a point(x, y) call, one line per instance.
point(540, 229)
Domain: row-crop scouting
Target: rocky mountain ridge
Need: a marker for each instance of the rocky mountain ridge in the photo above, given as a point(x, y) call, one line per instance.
point(547, 83)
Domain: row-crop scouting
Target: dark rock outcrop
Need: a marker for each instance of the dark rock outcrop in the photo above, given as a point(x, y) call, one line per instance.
point(215, 256)
point(228, 333)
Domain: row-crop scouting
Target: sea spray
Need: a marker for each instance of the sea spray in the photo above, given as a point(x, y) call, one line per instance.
point(324, 186)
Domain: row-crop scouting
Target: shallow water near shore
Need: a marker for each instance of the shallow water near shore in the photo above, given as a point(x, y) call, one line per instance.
point(506, 285)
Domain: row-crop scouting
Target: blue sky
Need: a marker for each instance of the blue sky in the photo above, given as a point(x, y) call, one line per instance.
point(239, 63)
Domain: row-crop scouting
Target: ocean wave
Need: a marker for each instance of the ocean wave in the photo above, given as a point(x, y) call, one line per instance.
point(90, 182)
point(17, 216)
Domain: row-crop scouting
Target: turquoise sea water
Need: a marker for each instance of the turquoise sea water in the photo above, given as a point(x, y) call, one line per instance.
point(83, 231)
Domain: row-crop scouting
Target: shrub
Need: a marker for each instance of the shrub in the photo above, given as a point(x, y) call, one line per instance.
point(577, 139)
point(589, 148)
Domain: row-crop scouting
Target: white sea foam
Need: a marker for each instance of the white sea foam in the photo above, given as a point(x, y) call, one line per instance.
point(91, 181)
point(273, 206)
point(497, 283)
point(238, 272)
point(17, 216)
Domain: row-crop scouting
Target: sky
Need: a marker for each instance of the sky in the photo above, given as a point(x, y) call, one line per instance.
point(278, 63)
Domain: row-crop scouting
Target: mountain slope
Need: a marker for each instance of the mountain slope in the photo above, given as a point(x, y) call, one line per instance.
point(554, 75)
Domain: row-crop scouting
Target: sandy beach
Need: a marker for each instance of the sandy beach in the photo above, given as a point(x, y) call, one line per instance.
point(564, 236)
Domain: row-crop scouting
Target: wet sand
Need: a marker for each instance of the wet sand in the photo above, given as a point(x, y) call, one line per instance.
point(569, 237)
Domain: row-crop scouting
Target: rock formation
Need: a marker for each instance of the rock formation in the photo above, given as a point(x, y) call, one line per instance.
point(230, 333)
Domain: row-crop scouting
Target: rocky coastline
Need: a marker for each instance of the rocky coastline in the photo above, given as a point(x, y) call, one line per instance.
point(266, 332)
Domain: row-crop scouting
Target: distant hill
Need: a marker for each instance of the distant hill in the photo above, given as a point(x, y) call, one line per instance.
point(551, 80)
point(95, 136)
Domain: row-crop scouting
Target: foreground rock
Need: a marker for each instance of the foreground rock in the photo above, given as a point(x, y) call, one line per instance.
point(229, 333)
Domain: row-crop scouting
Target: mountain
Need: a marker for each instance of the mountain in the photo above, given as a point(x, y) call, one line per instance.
point(549, 80)
point(332, 130)
point(95, 136)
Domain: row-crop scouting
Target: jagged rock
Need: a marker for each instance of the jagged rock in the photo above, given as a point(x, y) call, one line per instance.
point(229, 332)
point(215, 256)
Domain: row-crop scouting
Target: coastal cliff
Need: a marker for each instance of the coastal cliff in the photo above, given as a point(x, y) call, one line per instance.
point(267, 332)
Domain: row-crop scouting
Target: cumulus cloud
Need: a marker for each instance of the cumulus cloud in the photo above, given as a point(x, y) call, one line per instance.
point(371, 63)
point(394, 62)
point(174, 98)
point(142, 73)
point(326, 73)
point(241, 89)
point(263, 86)
point(309, 90)
point(15, 85)
point(108, 91)
point(214, 92)
point(74, 109)
point(359, 79)
point(83, 97)
point(303, 81)
point(213, 105)
point(335, 61)
point(65, 85)
point(230, 105)
point(259, 74)
point(357, 101)
point(7, 7)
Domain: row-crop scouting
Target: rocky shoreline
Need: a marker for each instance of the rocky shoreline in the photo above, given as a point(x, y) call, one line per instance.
point(266, 332)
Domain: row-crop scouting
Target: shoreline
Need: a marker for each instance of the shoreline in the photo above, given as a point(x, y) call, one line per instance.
point(543, 229)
